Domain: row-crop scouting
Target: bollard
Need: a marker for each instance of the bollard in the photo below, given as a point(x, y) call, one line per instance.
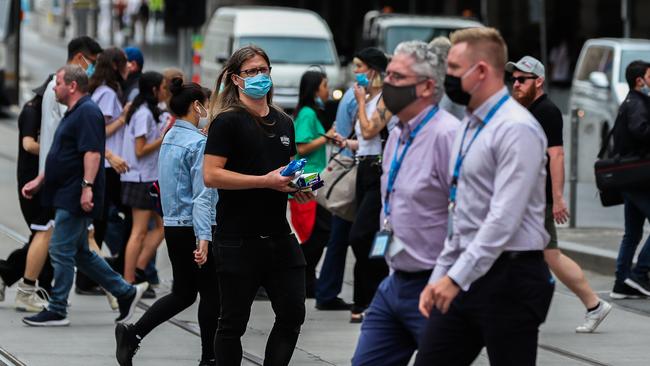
point(573, 168)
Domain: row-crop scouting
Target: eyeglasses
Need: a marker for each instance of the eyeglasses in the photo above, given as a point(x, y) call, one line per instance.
point(397, 77)
point(522, 79)
point(254, 71)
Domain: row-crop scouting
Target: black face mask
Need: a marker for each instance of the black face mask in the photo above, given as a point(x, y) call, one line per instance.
point(396, 98)
point(454, 90)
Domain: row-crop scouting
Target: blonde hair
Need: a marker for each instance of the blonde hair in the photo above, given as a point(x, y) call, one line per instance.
point(486, 43)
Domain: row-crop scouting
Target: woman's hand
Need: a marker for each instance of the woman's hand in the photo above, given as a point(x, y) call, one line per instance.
point(360, 94)
point(201, 253)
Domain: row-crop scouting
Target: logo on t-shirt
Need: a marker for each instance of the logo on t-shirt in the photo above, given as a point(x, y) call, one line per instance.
point(285, 140)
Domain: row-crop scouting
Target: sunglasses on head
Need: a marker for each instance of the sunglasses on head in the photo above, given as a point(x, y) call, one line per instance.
point(522, 79)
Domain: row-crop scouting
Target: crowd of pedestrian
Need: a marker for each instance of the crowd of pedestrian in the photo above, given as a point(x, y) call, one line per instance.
point(451, 223)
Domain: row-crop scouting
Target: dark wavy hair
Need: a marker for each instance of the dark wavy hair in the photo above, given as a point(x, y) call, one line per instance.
point(107, 70)
point(183, 95)
point(149, 81)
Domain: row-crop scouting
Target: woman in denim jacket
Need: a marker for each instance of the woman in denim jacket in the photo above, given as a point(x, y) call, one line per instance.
point(189, 216)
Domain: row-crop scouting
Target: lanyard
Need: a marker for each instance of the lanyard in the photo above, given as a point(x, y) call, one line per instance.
point(396, 164)
point(461, 156)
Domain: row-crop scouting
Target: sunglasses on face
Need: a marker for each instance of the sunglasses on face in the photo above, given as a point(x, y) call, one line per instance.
point(522, 79)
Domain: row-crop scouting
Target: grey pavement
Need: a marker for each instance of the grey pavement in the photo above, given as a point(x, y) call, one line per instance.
point(327, 338)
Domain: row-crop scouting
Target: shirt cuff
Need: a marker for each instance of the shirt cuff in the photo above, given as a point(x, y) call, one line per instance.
point(205, 235)
point(464, 272)
point(438, 273)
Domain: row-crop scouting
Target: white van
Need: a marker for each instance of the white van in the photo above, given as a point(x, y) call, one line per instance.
point(294, 39)
point(598, 89)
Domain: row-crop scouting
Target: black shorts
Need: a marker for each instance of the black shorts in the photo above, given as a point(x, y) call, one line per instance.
point(136, 195)
point(43, 220)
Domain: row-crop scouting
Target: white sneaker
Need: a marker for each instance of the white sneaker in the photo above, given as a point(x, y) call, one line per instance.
point(594, 318)
point(2, 289)
point(27, 298)
point(112, 301)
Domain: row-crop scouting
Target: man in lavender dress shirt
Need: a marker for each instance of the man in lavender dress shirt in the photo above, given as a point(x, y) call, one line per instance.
point(418, 202)
point(490, 287)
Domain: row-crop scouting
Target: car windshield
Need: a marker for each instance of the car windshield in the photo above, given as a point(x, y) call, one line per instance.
point(293, 50)
point(398, 34)
point(631, 55)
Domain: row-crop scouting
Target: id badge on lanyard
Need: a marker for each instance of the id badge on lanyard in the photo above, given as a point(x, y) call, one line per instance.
point(382, 242)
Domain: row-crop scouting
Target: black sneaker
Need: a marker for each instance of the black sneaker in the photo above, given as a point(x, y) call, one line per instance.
point(336, 304)
point(127, 344)
point(212, 362)
point(639, 283)
point(46, 318)
point(92, 291)
point(127, 306)
point(149, 293)
point(623, 291)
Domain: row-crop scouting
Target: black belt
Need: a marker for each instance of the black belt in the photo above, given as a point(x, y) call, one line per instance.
point(413, 275)
point(368, 157)
point(523, 254)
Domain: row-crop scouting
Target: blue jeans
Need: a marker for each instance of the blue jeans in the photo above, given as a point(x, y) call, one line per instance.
point(69, 246)
point(637, 211)
point(330, 279)
point(393, 324)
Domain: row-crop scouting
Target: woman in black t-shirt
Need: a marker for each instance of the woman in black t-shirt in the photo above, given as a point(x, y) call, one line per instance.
point(249, 143)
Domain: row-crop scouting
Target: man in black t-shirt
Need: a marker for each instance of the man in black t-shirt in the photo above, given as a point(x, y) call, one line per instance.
point(73, 185)
point(528, 89)
point(249, 143)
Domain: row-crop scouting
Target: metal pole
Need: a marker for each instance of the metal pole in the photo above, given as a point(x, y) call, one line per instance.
point(625, 17)
point(111, 23)
point(18, 17)
point(543, 41)
point(573, 178)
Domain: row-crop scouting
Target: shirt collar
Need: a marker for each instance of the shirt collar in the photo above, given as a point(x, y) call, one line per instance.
point(414, 122)
point(536, 102)
point(81, 101)
point(481, 112)
point(185, 124)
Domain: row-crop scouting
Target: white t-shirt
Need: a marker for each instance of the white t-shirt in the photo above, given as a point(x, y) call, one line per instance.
point(51, 114)
point(108, 102)
point(371, 146)
point(142, 124)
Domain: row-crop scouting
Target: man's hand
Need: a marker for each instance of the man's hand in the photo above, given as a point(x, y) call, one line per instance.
point(560, 212)
point(275, 180)
point(440, 294)
point(32, 187)
point(87, 199)
point(303, 197)
point(201, 253)
point(118, 163)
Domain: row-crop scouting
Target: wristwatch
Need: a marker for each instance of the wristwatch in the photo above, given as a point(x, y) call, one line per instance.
point(85, 183)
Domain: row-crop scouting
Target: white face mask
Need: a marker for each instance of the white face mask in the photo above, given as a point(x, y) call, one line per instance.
point(203, 119)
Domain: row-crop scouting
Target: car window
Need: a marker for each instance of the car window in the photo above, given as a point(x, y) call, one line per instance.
point(293, 50)
point(632, 55)
point(597, 58)
point(398, 34)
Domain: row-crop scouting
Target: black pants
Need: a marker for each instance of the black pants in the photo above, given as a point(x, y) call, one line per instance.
point(189, 280)
point(314, 246)
point(501, 311)
point(243, 265)
point(368, 273)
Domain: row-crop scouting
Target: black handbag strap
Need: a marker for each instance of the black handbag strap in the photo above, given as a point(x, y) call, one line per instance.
point(350, 136)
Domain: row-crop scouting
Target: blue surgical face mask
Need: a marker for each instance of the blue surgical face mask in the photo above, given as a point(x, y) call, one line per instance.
point(319, 103)
point(90, 70)
point(645, 89)
point(362, 79)
point(257, 86)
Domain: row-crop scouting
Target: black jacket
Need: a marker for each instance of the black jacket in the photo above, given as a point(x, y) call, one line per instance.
point(632, 127)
